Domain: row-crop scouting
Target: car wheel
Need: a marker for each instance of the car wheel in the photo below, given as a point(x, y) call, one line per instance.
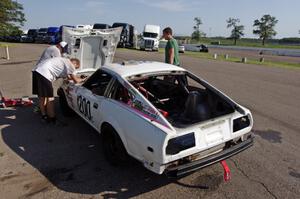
point(65, 109)
point(113, 148)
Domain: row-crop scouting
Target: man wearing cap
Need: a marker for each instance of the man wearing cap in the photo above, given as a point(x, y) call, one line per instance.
point(50, 52)
point(53, 51)
point(47, 72)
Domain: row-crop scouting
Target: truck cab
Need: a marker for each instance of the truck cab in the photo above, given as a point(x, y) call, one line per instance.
point(150, 38)
point(52, 35)
point(41, 35)
point(31, 35)
point(127, 35)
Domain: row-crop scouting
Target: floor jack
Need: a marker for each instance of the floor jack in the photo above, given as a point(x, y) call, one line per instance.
point(4, 102)
point(227, 175)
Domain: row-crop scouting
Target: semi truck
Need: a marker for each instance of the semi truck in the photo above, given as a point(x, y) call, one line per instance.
point(127, 35)
point(52, 35)
point(30, 36)
point(41, 35)
point(150, 38)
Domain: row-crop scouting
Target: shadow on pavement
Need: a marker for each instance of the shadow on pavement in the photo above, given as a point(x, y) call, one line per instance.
point(70, 157)
point(270, 135)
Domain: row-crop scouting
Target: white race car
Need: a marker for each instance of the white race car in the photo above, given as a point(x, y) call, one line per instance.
point(162, 115)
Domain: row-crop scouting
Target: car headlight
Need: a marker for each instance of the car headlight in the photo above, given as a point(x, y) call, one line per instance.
point(241, 123)
point(175, 145)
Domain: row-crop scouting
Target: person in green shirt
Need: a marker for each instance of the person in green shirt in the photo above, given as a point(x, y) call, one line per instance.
point(171, 49)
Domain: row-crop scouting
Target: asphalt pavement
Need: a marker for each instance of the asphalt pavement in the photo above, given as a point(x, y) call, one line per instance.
point(43, 161)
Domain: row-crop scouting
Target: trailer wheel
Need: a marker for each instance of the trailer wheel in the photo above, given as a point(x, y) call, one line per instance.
point(113, 148)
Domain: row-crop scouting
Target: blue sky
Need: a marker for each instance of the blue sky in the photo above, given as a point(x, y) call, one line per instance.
point(178, 14)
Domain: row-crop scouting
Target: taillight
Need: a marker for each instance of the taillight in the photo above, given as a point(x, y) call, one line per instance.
point(175, 145)
point(241, 123)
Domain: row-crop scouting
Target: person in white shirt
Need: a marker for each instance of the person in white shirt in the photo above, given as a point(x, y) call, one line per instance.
point(53, 51)
point(47, 72)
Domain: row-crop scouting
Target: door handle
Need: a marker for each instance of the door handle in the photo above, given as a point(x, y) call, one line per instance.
point(95, 105)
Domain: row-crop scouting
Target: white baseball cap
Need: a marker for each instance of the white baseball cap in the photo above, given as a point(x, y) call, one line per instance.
point(63, 44)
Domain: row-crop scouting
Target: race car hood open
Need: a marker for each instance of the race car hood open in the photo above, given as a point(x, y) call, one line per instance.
point(93, 48)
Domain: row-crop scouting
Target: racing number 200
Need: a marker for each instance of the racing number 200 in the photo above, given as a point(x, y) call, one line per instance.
point(84, 107)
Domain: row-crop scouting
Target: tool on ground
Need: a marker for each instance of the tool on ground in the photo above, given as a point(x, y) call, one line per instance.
point(4, 102)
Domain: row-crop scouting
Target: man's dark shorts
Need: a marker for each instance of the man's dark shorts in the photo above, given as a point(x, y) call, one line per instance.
point(41, 86)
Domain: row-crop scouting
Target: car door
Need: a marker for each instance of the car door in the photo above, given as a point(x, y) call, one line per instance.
point(90, 96)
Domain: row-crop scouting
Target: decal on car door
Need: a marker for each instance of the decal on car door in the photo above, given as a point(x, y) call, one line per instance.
point(84, 107)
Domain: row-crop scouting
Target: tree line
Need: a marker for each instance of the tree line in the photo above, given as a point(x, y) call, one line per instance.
point(12, 18)
point(263, 27)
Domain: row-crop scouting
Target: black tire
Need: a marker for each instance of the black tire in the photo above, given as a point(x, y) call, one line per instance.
point(113, 148)
point(64, 107)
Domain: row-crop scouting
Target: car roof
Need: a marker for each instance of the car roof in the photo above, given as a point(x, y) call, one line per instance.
point(130, 68)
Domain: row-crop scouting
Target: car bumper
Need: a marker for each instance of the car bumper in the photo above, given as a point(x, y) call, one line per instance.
point(187, 168)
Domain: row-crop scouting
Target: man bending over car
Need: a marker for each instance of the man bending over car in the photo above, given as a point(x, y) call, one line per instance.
point(42, 77)
point(53, 51)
